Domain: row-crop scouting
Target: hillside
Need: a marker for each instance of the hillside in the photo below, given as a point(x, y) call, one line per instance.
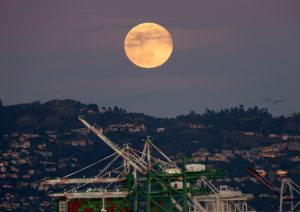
point(41, 140)
point(62, 115)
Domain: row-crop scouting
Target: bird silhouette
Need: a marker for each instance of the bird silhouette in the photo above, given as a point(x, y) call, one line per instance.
point(274, 102)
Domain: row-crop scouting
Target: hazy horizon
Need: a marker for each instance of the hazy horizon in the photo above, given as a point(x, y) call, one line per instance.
point(225, 54)
point(153, 114)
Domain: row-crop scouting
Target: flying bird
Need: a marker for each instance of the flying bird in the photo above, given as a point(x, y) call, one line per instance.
point(274, 102)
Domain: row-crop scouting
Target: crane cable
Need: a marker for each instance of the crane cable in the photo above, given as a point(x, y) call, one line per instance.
point(108, 165)
point(99, 161)
point(69, 191)
point(157, 159)
point(116, 177)
point(98, 175)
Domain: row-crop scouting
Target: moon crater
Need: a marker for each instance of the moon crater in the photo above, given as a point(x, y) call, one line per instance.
point(148, 45)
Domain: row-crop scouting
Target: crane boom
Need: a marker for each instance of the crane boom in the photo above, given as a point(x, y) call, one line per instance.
point(136, 164)
point(91, 195)
point(264, 181)
point(82, 180)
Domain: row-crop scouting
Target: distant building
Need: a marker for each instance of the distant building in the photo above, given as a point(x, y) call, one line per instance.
point(161, 129)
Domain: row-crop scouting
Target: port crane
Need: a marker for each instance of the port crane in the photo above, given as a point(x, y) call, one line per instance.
point(152, 178)
point(139, 163)
point(288, 193)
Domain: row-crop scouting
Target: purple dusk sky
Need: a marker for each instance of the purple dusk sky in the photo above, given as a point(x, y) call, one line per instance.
point(226, 53)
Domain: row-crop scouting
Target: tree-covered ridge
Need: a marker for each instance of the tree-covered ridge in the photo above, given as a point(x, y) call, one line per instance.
point(250, 119)
point(62, 115)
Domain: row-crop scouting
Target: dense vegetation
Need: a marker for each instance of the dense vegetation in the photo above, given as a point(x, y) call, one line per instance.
point(62, 115)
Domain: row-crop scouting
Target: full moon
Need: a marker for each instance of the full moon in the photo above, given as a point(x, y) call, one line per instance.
point(148, 45)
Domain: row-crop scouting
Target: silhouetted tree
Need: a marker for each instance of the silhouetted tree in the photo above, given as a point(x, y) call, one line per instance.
point(116, 109)
point(192, 113)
